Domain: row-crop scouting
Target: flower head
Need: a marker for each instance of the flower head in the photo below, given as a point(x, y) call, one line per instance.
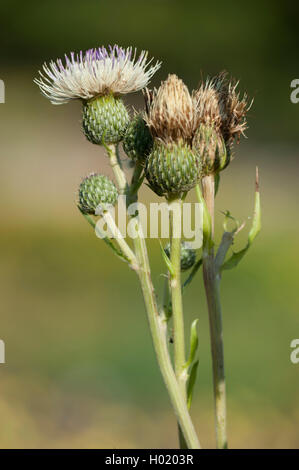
point(219, 105)
point(95, 73)
point(170, 111)
point(220, 120)
point(96, 190)
point(172, 168)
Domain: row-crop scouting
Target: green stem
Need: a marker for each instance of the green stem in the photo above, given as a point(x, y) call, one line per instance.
point(176, 292)
point(158, 328)
point(107, 240)
point(212, 288)
point(117, 236)
point(135, 182)
point(175, 208)
point(166, 297)
point(118, 172)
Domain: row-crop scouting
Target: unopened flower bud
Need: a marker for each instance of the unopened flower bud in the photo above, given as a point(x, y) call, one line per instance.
point(188, 255)
point(105, 119)
point(172, 169)
point(96, 190)
point(138, 141)
point(210, 147)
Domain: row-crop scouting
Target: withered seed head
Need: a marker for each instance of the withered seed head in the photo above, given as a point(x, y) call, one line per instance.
point(169, 111)
point(218, 104)
point(233, 109)
point(220, 120)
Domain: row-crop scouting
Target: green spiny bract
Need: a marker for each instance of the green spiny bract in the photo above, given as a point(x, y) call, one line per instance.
point(138, 142)
point(188, 255)
point(105, 120)
point(172, 169)
point(211, 150)
point(96, 190)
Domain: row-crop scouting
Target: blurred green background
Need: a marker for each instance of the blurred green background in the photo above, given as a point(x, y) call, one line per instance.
point(80, 369)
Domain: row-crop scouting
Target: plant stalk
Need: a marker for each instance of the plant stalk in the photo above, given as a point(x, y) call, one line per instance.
point(175, 208)
point(176, 293)
point(212, 288)
point(114, 163)
point(124, 247)
point(157, 323)
point(158, 328)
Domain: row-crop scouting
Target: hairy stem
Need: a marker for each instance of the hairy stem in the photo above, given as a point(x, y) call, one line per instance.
point(212, 288)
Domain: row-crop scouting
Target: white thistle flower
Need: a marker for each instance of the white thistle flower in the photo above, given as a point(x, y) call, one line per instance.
point(96, 72)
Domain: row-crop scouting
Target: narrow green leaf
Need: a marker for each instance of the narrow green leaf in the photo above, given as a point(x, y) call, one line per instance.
point(193, 343)
point(166, 260)
point(235, 259)
point(192, 274)
point(217, 183)
point(257, 219)
point(191, 383)
point(138, 183)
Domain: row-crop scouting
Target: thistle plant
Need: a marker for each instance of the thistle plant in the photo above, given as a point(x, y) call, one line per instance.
point(180, 141)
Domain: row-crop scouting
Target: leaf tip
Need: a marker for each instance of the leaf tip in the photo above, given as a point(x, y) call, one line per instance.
point(257, 183)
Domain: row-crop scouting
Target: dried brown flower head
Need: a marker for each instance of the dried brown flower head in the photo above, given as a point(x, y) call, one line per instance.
point(219, 104)
point(220, 115)
point(170, 113)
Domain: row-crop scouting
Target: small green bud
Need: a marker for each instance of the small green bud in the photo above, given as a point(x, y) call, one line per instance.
point(138, 141)
point(96, 190)
point(172, 168)
point(105, 119)
point(188, 255)
point(211, 150)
